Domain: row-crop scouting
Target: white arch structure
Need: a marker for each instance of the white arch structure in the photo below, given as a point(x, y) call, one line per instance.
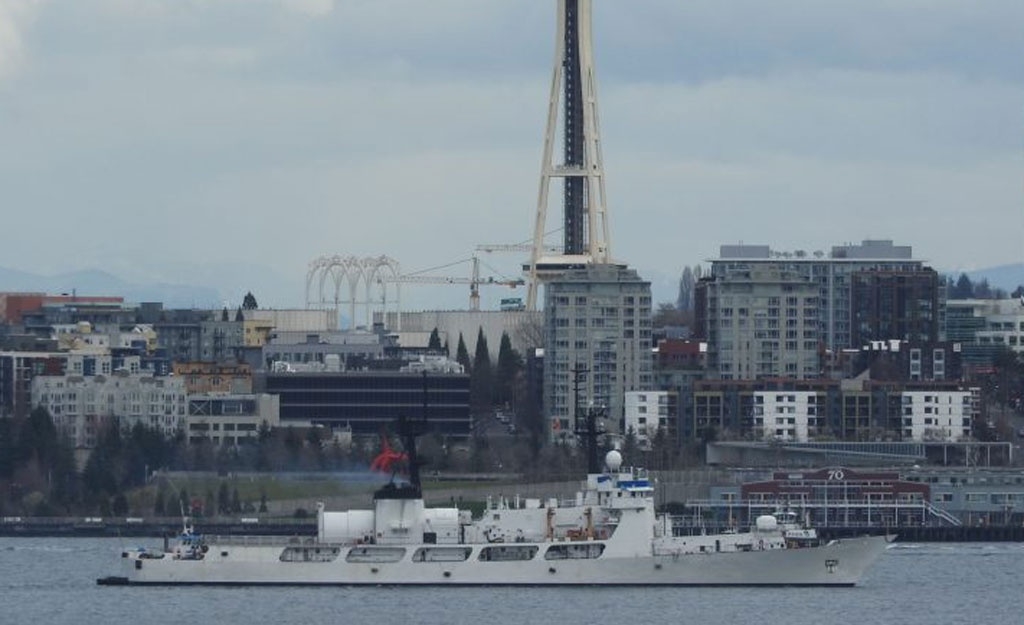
point(333, 281)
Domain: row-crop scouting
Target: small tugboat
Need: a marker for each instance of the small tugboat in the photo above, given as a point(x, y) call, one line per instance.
point(608, 534)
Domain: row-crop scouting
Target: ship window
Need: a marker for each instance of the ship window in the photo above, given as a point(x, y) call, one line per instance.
point(585, 551)
point(309, 554)
point(441, 554)
point(375, 554)
point(508, 554)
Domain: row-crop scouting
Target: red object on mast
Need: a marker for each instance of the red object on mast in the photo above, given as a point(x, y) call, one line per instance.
point(387, 460)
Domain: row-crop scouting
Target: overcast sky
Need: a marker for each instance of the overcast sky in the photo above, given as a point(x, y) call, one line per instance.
point(156, 139)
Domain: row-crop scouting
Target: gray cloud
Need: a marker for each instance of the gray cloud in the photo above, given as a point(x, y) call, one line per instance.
point(172, 132)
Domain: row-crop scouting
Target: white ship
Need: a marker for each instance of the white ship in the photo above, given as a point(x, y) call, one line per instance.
point(609, 534)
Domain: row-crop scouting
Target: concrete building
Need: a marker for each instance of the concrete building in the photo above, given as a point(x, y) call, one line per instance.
point(179, 333)
point(524, 327)
point(813, 305)
point(42, 310)
point(230, 418)
point(370, 401)
point(1004, 325)
point(17, 370)
point(788, 416)
point(763, 322)
point(809, 410)
point(937, 415)
point(647, 412)
point(259, 324)
point(219, 339)
point(984, 327)
point(336, 350)
point(597, 320)
point(80, 405)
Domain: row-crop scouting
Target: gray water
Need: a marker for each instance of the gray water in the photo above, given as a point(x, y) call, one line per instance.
point(52, 580)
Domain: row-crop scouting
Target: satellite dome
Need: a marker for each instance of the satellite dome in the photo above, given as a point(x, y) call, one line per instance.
point(613, 460)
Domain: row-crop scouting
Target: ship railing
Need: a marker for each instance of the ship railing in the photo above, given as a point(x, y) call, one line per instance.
point(258, 541)
point(772, 506)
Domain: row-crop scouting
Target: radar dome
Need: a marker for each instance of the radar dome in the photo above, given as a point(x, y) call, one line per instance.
point(613, 460)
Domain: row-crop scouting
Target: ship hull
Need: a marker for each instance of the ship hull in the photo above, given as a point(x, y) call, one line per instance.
point(840, 563)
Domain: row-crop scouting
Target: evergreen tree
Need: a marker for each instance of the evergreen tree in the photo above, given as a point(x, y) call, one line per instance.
point(510, 364)
point(481, 383)
point(249, 301)
point(223, 499)
point(686, 285)
point(963, 289)
point(7, 446)
point(264, 432)
point(239, 317)
point(983, 290)
point(462, 355)
point(434, 344)
point(224, 314)
point(209, 504)
point(159, 508)
point(119, 506)
point(101, 477)
point(38, 438)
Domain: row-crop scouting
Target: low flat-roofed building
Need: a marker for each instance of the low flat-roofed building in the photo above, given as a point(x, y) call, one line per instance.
point(230, 418)
point(369, 401)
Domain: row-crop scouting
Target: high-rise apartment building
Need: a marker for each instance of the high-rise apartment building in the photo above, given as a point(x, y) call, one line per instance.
point(763, 322)
point(771, 314)
point(895, 305)
point(597, 322)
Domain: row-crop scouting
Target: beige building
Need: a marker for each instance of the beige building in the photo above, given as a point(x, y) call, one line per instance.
point(81, 405)
point(259, 324)
point(214, 377)
point(762, 323)
point(230, 419)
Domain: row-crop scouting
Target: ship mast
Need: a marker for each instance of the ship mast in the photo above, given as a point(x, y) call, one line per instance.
point(585, 426)
point(409, 430)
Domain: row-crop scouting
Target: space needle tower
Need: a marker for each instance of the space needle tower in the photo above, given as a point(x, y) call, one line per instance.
point(573, 102)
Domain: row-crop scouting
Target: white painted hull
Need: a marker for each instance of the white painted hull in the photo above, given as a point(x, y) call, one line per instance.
point(841, 563)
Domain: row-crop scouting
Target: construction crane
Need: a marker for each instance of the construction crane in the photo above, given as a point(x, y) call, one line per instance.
point(513, 247)
point(524, 246)
point(474, 282)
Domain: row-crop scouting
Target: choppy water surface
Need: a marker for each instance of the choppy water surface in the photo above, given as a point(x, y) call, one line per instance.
point(52, 580)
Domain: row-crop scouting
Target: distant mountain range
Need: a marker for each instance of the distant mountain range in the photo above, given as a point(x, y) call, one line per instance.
point(95, 282)
point(274, 290)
